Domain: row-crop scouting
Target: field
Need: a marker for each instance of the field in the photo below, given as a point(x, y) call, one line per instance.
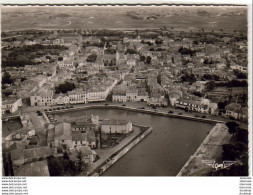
point(176, 18)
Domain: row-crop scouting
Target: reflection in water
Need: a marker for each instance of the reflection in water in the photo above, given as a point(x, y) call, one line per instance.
point(163, 152)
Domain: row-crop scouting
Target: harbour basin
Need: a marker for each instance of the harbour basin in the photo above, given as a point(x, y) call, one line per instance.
point(162, 153)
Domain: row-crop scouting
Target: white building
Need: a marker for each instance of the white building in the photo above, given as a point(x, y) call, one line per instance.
point(66, 64)
point(131, 95)
point(11, 106)
point(77, 97)
point(42, 99)
point(119, 97)
point(116, 126)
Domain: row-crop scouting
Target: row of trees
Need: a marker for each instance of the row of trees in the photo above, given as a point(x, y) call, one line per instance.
point(146, 60)
point(233, 83)
point(210, 77)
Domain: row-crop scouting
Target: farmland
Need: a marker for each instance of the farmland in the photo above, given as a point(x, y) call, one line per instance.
point(46, 18)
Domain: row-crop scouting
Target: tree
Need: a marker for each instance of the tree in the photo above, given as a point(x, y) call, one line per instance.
point(148, 60)
point(229, 152)
point(92, 58)
point(23, 79)
point(60, 58)
point(7, 92)
point(242, 136)
point(232, 127)
point(142, 58)
point(188, 78)
point(65, 87)
point(131, 51)
point(55, 167)
point(210, 85)
point(222, 105)
point(48, 57)
point(195, 42)
point(6, 79)
point(158, 41)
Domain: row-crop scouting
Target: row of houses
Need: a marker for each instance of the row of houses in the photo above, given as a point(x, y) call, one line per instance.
point(202, 106)
point(95, 93)
point(132, 95)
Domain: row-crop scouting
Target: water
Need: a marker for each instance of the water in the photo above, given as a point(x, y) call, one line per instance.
point(163, 152)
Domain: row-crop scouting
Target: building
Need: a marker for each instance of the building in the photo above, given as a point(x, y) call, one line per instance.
point(202, 106)
point(83, 126)
point(66, 64)
point(42, 98)
point(22, 156)
point(157, 100)
point(84, 153)
point(236, 111)
point(67, 136)
point(77, 96)
point(131, 95)
point(60, 136)
point(17, 136)
point(11, 106)
point(116, 126)
point(119, 96)
point(60, 99)
point(84, 139)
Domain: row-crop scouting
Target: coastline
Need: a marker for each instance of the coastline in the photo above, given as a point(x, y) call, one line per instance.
point(137, 110)
point(209, 149)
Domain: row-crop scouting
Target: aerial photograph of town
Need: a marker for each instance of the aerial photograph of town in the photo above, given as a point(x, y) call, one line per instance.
point(124, 91)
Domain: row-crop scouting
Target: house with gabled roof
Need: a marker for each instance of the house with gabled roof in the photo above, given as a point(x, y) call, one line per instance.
point(22, 156)
point(116, 126)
